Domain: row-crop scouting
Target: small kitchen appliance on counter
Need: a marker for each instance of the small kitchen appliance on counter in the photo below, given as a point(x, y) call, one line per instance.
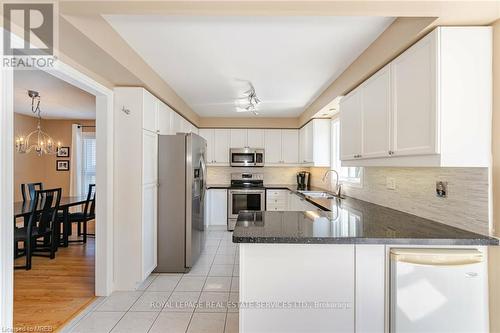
point(247, 193)
point(303, 180)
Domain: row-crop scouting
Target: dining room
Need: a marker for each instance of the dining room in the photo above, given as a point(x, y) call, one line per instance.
point(54, 200)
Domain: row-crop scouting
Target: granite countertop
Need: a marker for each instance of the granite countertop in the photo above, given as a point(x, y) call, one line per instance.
point(350, 221)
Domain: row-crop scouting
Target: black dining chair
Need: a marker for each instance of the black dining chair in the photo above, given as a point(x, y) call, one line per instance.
point(42, 224)
point(28, 190)
point(82, 218)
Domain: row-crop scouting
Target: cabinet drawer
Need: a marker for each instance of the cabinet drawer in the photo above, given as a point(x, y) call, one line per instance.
point(280, 201)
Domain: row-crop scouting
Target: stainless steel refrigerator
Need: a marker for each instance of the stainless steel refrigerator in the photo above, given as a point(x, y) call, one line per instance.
point(181, 194)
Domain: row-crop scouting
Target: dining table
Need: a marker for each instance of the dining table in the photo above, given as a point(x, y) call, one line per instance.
point(22, 209)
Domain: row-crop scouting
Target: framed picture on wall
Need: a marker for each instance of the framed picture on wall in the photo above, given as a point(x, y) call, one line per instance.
point(63, 152)
point(62, 165)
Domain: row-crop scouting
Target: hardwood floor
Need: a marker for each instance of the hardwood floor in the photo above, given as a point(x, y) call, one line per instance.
point(54, 291)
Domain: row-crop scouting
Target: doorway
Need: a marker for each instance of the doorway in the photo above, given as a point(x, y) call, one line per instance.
point(103, 274)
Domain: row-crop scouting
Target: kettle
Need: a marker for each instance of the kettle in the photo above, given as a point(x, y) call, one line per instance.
point(303, 180)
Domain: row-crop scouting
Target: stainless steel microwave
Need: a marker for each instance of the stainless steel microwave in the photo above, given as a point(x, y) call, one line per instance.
point(246, 157)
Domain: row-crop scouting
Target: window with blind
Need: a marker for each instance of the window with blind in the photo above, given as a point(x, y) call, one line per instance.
point(88, 160)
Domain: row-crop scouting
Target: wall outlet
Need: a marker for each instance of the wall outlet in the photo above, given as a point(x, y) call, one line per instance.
point(441, 189)
point(390, 183)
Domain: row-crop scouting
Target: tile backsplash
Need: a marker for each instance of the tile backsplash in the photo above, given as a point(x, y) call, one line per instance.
point(466, 205)
point(272, 175)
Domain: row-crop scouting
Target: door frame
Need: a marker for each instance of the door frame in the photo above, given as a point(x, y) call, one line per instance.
point(104, 183)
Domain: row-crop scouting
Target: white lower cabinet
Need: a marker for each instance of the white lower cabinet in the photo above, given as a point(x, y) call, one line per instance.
point(277, 200)
point(216, 207)
point(370, 288)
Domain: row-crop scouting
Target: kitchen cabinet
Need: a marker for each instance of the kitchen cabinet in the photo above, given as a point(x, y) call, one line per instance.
point(429, 107)
point(208, 135)
point(281, 146)
point(255, 138)
point(272, 146)
point(238, 138)
point(175, 123)
point(277, 200)
point(290, 146)
point(135, 188)
point(149, 111)
point(164, 115)
point(351, 126)
point(315, 143)
point(415, 105)
point(376, 115)
point(221, 146)
point(216, 202)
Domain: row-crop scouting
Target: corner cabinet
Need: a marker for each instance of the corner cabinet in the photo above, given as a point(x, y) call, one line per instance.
point(315, 141)
point(431, 106)
point(135, 186)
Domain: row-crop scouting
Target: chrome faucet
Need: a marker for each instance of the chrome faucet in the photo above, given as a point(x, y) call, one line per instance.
point(338, 187)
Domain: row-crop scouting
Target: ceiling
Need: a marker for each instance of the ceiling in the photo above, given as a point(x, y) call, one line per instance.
point(59, 99)
point(209, 61)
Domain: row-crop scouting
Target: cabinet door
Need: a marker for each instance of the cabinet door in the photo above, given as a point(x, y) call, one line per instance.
point(149, 227)
point(350, 125)
point(321, 142)
point(414, 99)
point(149, 117)
point(185, 126)
point(272, 146)
point(255, 138)
point(218, 207)
point(221, 146)
point(376, 117)
point(208, 135)
point(290, 146)
point(175, 123)
point(149, 157)
point(163, 113)
point(308, 149)
point(238, 138)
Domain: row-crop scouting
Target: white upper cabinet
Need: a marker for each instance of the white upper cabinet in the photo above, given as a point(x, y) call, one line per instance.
point(351, 125)
point(208, 135)
point(290, 146)
point(238, 138)
point(149, 110)
point(439, 110)
point(315, 143)
point(221, 146)
point(272, 146)
point(376, 115)
point(414, 104)
point(281, 146)
point(255, 138)
point(175, 123)
point(163, 113)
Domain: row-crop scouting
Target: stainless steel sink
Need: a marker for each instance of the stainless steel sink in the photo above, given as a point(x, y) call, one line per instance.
point(317, 194)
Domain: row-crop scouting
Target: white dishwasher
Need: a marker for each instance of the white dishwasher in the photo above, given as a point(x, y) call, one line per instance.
point(438, 290)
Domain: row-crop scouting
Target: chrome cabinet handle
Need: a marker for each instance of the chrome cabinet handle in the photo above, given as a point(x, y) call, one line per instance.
point(391, 152)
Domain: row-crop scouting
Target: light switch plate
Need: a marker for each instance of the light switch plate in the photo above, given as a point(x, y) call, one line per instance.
point(390, 183)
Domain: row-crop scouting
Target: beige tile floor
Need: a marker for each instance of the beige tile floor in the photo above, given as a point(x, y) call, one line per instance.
point(201, 301)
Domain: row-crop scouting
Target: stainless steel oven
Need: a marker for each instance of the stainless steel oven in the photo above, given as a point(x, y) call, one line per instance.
point(246, 157)
point(244, 199)
point(247, 192)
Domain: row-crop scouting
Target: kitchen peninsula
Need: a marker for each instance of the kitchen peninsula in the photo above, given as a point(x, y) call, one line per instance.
point(336, 264)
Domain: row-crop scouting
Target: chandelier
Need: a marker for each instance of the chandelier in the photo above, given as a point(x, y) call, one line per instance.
point(249, 102)
point(37, 141)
